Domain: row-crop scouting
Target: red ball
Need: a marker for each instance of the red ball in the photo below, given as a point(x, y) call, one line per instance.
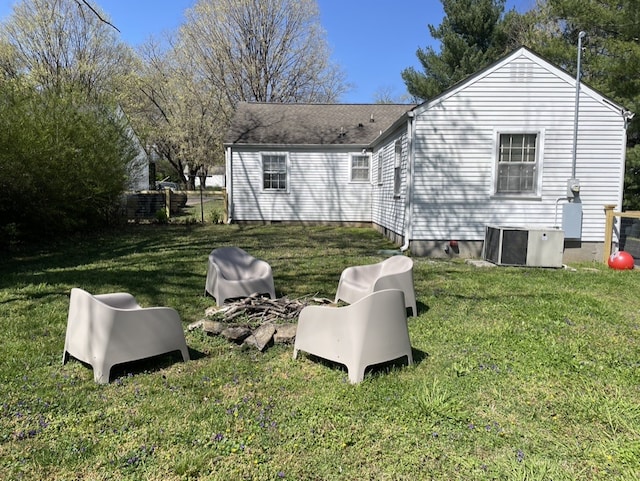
point(621, 260)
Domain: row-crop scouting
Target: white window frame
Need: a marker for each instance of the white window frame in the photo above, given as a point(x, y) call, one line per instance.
point(353, 168)
point(397, 168)
point(380, 165)
point(263, 155)
point(537, 165)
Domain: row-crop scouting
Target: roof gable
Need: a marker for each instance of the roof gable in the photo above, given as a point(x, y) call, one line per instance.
point(521, 53)
point(312, 124)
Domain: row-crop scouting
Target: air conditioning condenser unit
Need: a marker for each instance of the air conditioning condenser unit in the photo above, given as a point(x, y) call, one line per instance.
point(523, 246)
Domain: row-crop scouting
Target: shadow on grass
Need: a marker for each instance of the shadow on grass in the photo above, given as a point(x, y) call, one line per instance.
point(145, 366)
point(421, 307)
point(155, 259)
point(382, 368)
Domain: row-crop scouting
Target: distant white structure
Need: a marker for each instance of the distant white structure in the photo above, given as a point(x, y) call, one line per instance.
point(212, 181)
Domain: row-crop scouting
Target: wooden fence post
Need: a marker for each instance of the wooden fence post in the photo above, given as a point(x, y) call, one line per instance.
point(167, 202)
point(225, 206)
point(608, 232)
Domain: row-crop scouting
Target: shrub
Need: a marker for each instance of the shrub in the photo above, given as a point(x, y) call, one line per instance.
point(63, 161)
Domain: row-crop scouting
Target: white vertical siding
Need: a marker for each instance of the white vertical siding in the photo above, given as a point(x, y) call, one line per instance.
point(319, 188)
point(455, 154)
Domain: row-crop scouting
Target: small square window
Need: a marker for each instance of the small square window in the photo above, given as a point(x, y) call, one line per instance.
point(360, 168)
point(274, 172)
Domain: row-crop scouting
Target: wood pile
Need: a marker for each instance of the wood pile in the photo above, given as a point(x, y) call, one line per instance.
point(256, 320)
point(257, 309)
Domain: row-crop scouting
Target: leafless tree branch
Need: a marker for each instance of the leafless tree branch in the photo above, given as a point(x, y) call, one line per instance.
point(84, 2)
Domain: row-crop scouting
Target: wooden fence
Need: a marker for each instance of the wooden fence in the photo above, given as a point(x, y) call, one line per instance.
point(146, 205)
point(629, 241)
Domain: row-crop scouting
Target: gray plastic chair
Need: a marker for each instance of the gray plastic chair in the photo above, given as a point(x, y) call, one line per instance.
point(234, 273)
point(396, 272)
point(109, 329)
point(370, 331)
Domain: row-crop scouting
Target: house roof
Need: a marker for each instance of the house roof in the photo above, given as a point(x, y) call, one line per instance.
point(357, 125)
point(312, 124)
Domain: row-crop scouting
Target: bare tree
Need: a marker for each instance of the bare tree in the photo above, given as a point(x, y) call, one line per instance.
point(180, 115)
point(261, 50)
point(387, 94)
point(61, 42)
point(227, 51)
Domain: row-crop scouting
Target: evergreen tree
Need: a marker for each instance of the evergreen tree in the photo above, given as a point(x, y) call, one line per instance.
point(610, 59)
point(472, 35)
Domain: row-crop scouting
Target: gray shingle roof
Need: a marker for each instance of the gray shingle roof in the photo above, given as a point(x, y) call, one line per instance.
point(312, 124)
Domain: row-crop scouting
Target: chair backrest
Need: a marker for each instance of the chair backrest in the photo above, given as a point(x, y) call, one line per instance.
point(396, 264)
point(235, 263)
point(381, 326)
point(81, 299)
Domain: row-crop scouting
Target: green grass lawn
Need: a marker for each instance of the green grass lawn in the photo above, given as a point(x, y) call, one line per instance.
point(519, 374)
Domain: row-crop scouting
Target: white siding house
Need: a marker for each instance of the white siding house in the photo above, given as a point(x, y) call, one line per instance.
point(495, 149)
point(304, 163)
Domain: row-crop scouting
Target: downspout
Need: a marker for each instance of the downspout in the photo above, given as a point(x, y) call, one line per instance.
point(408, 207)
point(228, 183)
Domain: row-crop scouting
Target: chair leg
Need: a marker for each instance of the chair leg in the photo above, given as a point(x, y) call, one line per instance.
point(185, 353)
point(356, 375)
point(101, 373)
point(409, 358)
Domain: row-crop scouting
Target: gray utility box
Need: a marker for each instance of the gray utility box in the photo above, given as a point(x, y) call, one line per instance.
point(523, 246)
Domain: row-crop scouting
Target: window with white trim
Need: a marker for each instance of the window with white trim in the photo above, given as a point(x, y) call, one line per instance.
point(397, 162)
point(517, 163)
point(360, 168)
point(380, 164)
point(274, 172)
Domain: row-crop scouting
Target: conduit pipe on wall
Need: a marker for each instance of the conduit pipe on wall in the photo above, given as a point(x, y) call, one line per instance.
point(408, 206)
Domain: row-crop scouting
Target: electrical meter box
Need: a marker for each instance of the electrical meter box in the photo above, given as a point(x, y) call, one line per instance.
point(572, 220)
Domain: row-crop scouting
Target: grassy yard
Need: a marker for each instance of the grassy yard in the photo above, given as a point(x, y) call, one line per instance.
point(520, 374)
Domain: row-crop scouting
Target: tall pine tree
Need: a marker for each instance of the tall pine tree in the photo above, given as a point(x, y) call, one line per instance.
point(610, 59)
point(472, 35)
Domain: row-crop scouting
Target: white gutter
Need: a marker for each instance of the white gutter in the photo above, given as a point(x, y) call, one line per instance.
point(411, 128)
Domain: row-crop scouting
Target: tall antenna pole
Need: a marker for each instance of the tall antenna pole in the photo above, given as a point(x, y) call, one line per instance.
point(581, 35)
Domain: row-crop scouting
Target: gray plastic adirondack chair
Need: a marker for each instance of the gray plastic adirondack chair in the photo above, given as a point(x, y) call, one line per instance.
point(232, 272)
point(370, 331)
point(396, 272)
point(109, 329)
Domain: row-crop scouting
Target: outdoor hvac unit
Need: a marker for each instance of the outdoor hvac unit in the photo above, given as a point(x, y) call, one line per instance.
point(524, 246)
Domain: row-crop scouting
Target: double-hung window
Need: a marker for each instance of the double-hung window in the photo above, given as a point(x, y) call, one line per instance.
point(274, 172)
point(517, 163)
point(397, 165)
point(360, 168)
point(380, 164)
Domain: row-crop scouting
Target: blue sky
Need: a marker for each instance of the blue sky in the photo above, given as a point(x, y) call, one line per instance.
point(372, 40)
